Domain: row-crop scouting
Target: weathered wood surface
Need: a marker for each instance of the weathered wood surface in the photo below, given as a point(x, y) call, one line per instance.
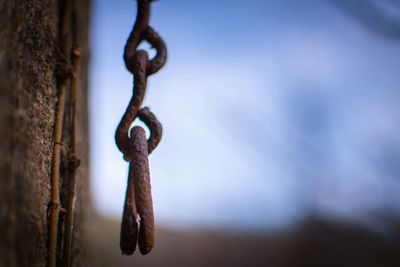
point(28, 95)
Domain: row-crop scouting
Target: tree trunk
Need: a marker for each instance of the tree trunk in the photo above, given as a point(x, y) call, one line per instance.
point(30, 65)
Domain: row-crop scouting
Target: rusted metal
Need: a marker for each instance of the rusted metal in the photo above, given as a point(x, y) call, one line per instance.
point(158, 44)
point(134, 146)
point(129, 224)
point(139, 90)
point(140, 174)
point(136, 36)
point(154, 125)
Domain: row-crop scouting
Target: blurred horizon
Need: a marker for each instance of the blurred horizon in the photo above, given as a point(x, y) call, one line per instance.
point(272, 111)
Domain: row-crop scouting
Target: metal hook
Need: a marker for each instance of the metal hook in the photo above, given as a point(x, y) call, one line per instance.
point(134, 146)
point(138, 200)
point(142, 31)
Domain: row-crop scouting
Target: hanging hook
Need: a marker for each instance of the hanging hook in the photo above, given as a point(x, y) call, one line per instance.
point(138, 218)
point(143, 32)
point(139, 90)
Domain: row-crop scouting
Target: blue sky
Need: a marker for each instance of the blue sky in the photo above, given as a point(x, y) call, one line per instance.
point(271, 110)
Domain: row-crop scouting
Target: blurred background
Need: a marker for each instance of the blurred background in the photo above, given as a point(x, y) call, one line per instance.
point(280, 145)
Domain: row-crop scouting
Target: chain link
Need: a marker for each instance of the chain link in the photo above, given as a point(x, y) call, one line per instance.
point(135, 147)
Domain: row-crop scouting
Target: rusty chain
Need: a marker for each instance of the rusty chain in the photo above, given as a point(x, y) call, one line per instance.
point(134, 146)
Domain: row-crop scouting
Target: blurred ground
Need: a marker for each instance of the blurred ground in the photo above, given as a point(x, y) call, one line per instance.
point(315, 242)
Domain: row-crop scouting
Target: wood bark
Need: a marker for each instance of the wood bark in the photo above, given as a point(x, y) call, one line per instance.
point(29, 65)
